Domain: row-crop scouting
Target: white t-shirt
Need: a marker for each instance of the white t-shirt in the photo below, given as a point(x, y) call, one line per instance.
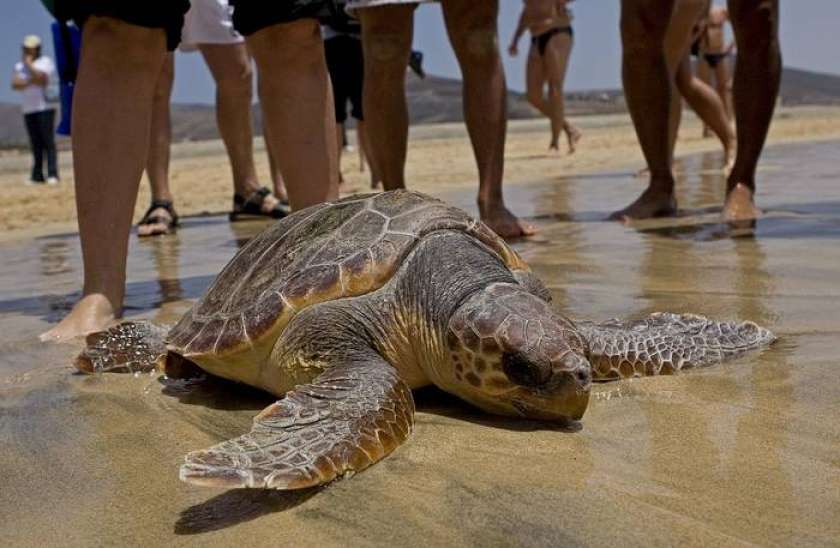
point(33, 98)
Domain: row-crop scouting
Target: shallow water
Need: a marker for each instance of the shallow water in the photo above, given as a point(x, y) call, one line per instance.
point(742, 453)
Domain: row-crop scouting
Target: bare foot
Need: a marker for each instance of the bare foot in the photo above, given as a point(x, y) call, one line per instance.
point(92, 313)
point(161, 226)
point(652, 203)
point(573, 135)
point(739, 204)
point(506, 224)
point(554, 146)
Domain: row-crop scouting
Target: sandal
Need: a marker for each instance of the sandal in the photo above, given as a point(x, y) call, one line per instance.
point(149, 218)
point(252, 206)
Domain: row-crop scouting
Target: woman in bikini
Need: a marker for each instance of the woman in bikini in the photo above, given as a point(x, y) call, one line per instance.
point(549, 22)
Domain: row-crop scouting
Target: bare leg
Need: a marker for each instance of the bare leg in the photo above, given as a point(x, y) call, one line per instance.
point(535, 82)
point(556, 63)
point(386, 40)
point(157, 160)
point(723, 85)
point(274, 166)
point(339, 142)
point(756, 87)
point(471, 27)
point(647, 87)
point(112, 114)
point(704, 73)
point(364, 153)
point(706, 103)
point(297, 102)
point(230, 65)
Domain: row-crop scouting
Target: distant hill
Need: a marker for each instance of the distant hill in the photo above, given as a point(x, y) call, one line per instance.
point(436, 99)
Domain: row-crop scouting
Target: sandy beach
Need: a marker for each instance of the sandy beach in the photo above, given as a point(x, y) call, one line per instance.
point(739, 454)
point(439, 159)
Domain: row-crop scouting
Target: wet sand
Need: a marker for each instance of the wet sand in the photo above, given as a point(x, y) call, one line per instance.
point(744, 453)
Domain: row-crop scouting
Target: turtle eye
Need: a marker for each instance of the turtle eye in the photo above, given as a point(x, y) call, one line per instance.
point(522, 371)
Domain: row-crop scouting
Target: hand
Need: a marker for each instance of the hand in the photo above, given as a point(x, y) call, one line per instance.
point(513, 50)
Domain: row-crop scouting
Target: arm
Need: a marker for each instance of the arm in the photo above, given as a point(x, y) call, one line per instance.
point(19, 82)
point(520, 28)
point(35, 75)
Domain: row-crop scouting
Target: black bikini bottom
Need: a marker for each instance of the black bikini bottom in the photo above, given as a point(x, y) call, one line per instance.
point(541, 40)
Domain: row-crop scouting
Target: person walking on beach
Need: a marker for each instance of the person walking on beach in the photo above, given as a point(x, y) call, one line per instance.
point(552, 37)
point(125, 50)
point(387, 28)
point(31, 76)
point(648, 90)
point(713, 64)
point(208, 28)
point(682, 32)
point(345, 62)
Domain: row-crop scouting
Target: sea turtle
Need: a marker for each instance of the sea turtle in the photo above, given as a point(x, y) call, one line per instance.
point(342, 309)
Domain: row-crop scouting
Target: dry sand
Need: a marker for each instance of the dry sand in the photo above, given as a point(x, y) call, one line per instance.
point(740, 454)
point(439, 158)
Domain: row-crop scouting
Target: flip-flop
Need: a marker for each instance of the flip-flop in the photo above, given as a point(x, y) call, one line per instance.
point(252, 206)
point(150, 219)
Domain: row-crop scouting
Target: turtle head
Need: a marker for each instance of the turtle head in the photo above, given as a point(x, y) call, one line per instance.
point(511, 354)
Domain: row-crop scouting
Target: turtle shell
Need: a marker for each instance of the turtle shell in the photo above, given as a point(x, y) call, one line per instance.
point(329, 251)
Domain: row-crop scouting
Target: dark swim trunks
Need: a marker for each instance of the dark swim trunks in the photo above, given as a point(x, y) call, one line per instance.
point(157, 14)
point(714, 58)
point(541, 40)
point(346, 67)
point(249, 16)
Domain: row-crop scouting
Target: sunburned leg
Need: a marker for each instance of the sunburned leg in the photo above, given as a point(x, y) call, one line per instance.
point(112, 111)
point(157, 160)
point(296, 99)
point(471, 27)
point(230, 65)
point(556, 62)
point(386, 40)
point(756, 86)
point(647, 87)
point(706, 103)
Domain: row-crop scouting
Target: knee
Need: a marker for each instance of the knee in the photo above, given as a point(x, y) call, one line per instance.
point(478, 44)
point(535, 97)
point(386, 51)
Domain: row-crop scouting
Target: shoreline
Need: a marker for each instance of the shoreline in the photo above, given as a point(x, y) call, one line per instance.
point(439, 159)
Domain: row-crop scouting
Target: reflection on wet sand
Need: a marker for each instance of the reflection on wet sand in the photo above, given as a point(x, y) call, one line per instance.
point(741, 453)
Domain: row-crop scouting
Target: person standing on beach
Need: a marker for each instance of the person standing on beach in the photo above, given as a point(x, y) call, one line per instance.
point(208, 28)
point(124, 52)
point(345, 62)
point(387, 29)
point(648, 90)
point(552, 37)
point(31, 76)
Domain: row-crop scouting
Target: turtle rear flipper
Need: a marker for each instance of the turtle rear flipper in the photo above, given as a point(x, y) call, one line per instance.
point(125, 348)
point(664, 343)
point(352, 415)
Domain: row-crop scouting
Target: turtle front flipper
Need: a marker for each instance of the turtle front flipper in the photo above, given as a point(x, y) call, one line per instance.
point(125, 348)
point(664, 343)
point(352, 415)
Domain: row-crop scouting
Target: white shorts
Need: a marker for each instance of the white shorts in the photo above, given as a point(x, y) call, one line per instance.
point(208, 22)
point(359, 4)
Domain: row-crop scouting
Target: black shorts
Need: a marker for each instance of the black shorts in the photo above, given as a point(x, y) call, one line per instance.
point(346, 66)
point(157, 14)
point(249, 16)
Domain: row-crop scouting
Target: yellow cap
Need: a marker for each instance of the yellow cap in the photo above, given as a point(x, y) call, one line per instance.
point(31, 41)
